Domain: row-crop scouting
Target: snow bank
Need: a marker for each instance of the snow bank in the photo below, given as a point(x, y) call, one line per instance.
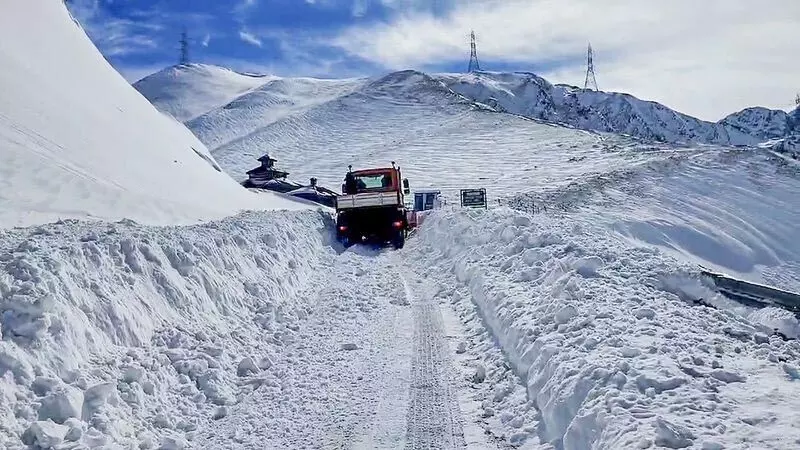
point(611, 354)
point(77, 141)
point(125, 334)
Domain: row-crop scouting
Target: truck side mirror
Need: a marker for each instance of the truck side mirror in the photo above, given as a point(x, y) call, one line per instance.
point(344, 188)
point(406, 189)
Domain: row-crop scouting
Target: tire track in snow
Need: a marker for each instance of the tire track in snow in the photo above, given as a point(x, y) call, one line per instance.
point(434, 419)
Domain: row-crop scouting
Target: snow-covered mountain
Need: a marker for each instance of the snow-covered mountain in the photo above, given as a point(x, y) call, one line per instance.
point(778, 130)
point(531, 96)
point(406, 117)
point(763, 123)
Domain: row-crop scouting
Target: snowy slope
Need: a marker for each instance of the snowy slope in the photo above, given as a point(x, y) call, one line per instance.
point(117, 335)
point(187, 91)
point(734, 211)
point(77, 141)
point(273, 101)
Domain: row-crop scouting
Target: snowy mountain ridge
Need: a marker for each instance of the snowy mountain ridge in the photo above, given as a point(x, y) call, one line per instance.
point(529, 95)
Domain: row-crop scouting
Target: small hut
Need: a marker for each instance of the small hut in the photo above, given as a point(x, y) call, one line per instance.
point(266, 174)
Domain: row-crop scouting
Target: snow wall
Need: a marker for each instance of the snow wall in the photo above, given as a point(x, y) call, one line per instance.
point(125, 334)
point(601, 333)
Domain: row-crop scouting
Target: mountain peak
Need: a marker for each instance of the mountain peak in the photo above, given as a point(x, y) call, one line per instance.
point(188, 90)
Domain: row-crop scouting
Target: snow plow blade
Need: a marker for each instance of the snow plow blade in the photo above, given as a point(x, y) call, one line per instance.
point(753, 294)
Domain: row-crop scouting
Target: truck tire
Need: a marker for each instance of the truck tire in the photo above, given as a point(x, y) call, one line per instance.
point(399, 240)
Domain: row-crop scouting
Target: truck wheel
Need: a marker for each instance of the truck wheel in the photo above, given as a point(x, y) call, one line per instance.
point(399, 240)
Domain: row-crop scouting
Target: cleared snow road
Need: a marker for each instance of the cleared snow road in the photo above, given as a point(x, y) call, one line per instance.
point(370, 368)
point(434, 420)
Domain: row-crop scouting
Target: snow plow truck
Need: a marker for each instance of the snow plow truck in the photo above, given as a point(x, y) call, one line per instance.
point(372, 208)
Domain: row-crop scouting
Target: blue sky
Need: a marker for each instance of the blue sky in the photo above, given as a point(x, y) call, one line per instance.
point(286, 37)
point(706, 59)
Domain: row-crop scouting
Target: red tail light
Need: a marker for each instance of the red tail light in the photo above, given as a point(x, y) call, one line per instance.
point(342, 228)
point(398, 224)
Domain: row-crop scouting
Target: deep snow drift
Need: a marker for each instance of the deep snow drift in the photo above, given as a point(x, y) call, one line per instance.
point(76, 140)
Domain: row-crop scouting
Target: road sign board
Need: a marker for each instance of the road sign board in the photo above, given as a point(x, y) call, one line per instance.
point(474, 198)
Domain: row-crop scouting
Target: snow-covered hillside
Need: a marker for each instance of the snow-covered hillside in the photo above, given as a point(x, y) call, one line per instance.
point(439, 138)
point(733, 211)
point(269, 103)
point(76, 140)
point(763, 123)
point(187, 91)
point(603, 340)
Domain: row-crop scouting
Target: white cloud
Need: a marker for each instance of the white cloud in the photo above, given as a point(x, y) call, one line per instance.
point(250, 38)
point(114, 36)
point(703, 57)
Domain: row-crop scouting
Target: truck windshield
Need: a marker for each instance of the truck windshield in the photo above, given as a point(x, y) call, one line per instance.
point(373, 181)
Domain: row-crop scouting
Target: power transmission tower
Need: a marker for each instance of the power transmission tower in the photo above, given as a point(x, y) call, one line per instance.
point(591, 81)
point(474, 65)
point(184, 48)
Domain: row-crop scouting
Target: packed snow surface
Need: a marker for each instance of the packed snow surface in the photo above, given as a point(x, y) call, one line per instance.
point(76, 140)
